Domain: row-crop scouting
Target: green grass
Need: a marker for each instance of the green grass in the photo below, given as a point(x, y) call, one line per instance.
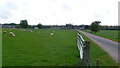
point(97, 53)
point(0, 47)
point(38, 48)
point(109, 34)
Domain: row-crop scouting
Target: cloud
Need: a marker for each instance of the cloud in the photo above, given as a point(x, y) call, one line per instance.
point(53, 0)
point(66, 7)
point(6, 8)
point(5, 14)
point(59, 11)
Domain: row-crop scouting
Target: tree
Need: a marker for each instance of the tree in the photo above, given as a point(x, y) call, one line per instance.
point(95, 27)
point(18, 26)
point(70, 26)
point(10, 24)
point(39, 25)
point(24, 23)
point(86, 26)
point(13, 24)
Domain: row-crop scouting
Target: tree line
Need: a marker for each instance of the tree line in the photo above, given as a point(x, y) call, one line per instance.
point(95, 26)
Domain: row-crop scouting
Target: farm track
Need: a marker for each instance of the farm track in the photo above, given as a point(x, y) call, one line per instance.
point(107, 45)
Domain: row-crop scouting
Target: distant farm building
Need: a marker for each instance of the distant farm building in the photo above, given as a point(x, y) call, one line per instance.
point(36, 28)
point(8, 26)
point(81, 28)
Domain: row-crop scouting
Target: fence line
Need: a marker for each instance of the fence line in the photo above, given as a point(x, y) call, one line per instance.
point(84, 49)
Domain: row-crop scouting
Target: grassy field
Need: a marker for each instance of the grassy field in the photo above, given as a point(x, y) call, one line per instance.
point(38, 48)
point(96, 53)
point(110, 34)
point(0, 47)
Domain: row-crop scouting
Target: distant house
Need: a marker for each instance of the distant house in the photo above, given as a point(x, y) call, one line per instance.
point(54, 27)
point(59, 27)
point(81, 28)
point(36, 28)
point(8, 26)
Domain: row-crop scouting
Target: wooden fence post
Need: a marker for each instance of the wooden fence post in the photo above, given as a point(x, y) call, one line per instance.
point(97, 63)
point(86, 53)
point(87, 48)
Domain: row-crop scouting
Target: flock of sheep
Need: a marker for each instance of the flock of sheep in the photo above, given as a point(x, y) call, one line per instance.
point(26, 30)
point(13, 34)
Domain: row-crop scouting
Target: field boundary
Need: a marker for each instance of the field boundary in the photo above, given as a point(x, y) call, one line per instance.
point(84, 49)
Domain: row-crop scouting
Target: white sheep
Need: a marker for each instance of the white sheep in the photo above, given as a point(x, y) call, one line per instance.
point(12, 34)
point(30, 30)
point(4, 31)
point(22, 30)
point(10, 30)
point(51, 34)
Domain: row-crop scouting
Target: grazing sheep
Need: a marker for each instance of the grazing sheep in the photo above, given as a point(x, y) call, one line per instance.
point(22, 30)
point(12, 34)
point(30, 30)
point(13, 28)
point(4, 31)
point(10, 30)
point(51, 34)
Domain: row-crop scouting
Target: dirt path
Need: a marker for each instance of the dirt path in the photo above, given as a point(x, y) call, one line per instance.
point(107, 45)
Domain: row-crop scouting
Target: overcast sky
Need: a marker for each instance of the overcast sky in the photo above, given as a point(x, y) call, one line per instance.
point(59, 12)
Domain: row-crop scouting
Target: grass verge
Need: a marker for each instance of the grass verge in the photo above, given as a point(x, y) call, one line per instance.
point(109, 34)
point(0, 47)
